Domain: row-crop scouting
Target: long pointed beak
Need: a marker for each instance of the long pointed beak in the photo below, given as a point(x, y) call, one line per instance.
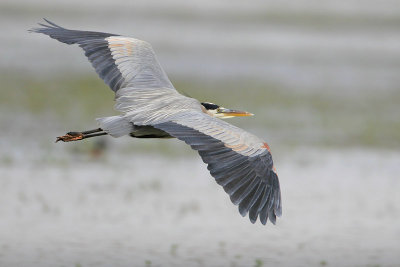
point(229, 113)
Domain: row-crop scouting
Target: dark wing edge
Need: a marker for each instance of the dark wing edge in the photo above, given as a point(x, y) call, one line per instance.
point(119, 60)
point(69, 36)
point(251, 182)
point(95, 46)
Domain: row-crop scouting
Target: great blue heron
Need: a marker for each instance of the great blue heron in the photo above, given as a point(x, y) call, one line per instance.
point(151, 108)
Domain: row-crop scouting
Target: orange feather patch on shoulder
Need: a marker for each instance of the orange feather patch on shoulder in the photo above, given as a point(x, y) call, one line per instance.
point(115, 45)
point(237, 148)
point(274, 169)
point(121, 45)
point(265, 145)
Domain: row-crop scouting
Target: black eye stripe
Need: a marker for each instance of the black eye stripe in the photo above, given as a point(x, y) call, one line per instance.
point(210, 106)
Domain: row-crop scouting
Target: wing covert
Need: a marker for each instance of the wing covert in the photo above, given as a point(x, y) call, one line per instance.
point(246, 172)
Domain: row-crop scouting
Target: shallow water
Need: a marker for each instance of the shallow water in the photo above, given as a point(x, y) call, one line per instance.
point(75, 205)
point(338, 209)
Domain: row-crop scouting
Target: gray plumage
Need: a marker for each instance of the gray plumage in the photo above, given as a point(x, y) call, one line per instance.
point(151, 107)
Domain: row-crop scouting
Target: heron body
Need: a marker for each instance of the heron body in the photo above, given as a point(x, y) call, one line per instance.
point(148, 131)
point(151, 107)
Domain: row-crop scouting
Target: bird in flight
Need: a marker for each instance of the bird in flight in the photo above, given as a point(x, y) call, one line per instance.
point(151, 107)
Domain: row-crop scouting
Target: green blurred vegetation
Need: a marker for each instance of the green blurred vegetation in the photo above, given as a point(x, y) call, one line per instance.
point(324, 118)
point(65, 97)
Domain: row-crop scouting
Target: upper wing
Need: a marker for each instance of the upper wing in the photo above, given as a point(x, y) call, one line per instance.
point(120, 61)
point(239, 161)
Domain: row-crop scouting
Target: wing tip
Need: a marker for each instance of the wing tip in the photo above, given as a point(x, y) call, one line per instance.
point(50, 25)
point(269, 204)
point(262, 201)
point(271, 212)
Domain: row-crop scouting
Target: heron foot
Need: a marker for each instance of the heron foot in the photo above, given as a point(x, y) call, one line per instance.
point(70, 136)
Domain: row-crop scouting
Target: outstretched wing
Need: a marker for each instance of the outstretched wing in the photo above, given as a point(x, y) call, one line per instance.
point(120, 61)
point(239, 161)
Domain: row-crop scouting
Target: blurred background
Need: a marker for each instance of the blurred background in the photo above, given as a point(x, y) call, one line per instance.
point(322, 77)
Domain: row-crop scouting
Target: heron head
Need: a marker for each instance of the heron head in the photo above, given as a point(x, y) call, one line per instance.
point(223, 113)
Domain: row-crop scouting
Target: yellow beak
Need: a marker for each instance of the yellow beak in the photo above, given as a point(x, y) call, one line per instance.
point(225, 113)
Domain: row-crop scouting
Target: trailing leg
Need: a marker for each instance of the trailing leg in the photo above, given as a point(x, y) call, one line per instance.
point(76, 136)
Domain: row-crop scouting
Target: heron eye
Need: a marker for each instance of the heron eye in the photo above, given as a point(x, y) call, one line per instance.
point(218, 110)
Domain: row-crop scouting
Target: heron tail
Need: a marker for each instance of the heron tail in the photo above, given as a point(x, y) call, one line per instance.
point(116, 126)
